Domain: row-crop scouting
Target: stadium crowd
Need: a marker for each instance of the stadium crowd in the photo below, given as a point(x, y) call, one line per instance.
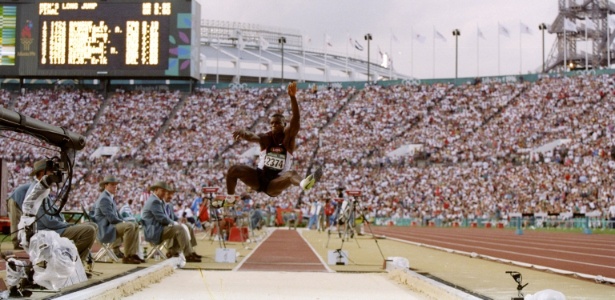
point(488, 149)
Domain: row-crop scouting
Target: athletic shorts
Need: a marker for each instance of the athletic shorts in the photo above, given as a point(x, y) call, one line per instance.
point(264, 178)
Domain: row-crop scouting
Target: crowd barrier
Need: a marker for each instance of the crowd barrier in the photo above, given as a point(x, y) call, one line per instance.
point(537, 220)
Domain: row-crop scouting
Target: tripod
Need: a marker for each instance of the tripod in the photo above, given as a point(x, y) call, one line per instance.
point(347, 217)
point(214, 214)
point(352, 209)
point(517, 277)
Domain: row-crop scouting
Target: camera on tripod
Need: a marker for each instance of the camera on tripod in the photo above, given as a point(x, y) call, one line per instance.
point(340, 191)
point(519, 280)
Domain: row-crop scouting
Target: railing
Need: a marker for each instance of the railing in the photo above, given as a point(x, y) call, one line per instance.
point(532, 221)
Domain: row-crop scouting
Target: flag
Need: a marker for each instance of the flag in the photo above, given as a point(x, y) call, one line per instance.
point(357, 45)
point(525, 29)
point(307, 39)
point(439, 36)
point(611, 21)
point(503, 31)
point(241, 44)
point(480, 33)
point(263, 43)
point(351, 41)
point(381, 54)
point(394, 38)
point(569, 25)
point(328, 40)
point(589, 24)
point(419, 37)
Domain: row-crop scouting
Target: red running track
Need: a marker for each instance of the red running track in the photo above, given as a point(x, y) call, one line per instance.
point(591, 254)
point(283, 250)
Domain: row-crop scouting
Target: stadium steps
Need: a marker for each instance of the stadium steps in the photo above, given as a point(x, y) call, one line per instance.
point(99, 113)
point(513, 100)
point(167, 122)
point(352, 97)
point(411, 123)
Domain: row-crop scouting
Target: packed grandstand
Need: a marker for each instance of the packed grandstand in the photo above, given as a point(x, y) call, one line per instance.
point(487, 149)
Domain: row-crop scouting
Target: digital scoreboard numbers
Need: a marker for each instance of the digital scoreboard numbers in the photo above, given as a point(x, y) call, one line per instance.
point(92, 39)
point(104, 35)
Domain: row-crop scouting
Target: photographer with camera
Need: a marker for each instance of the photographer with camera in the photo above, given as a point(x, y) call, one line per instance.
point(83, 235)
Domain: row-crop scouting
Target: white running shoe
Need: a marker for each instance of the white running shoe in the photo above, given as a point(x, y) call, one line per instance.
point(308, 182)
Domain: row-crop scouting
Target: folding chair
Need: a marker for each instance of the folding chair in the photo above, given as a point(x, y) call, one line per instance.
point(105, 252)
point(157, 249)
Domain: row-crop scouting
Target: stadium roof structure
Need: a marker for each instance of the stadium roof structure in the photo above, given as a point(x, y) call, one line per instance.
point(248, 53)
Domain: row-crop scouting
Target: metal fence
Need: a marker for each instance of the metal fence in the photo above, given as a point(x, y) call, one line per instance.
point(549, 222)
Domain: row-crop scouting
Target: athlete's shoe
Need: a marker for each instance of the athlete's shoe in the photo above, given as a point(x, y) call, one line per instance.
point(308, 182)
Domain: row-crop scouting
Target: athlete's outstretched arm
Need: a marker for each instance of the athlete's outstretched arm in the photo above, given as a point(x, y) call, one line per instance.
point(294, 125)
point(246, 135)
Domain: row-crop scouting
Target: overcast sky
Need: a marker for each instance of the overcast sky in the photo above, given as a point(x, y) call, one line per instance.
point(344, 19)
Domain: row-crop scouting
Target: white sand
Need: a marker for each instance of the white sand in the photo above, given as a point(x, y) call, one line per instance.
point(193, 284)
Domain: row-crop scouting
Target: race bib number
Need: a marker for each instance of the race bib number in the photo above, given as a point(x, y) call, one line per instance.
point(275, 161)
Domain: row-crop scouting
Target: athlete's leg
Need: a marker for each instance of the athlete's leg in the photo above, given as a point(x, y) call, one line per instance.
point(278, 185)
point(246, 174)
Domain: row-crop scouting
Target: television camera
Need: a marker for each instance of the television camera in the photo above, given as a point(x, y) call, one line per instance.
point(58, 171)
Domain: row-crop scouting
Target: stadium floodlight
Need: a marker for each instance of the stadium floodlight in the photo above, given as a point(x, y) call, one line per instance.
point(543, 27)
point(456, 34)
point(282, 41)
point(368, 37)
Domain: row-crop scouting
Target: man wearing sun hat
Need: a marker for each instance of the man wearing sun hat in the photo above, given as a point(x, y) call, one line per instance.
point(83, 234)
point(158, 227)
point(111, 227)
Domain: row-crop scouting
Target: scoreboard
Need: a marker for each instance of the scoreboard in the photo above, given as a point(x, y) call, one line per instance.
point(112, 38)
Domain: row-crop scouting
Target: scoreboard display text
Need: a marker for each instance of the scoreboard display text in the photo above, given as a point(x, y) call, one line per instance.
point(116, 38)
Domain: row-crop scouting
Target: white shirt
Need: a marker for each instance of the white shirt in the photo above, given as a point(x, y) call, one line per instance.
point(612, 211)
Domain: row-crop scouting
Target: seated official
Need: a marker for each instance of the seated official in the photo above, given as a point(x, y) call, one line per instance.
point(158, 227)
point(168, 206)
point(126, 212)
point(83, 235)
point(111, 227)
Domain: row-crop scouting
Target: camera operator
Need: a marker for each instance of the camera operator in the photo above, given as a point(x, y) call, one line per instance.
point(83, 235)
point(14, 203)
